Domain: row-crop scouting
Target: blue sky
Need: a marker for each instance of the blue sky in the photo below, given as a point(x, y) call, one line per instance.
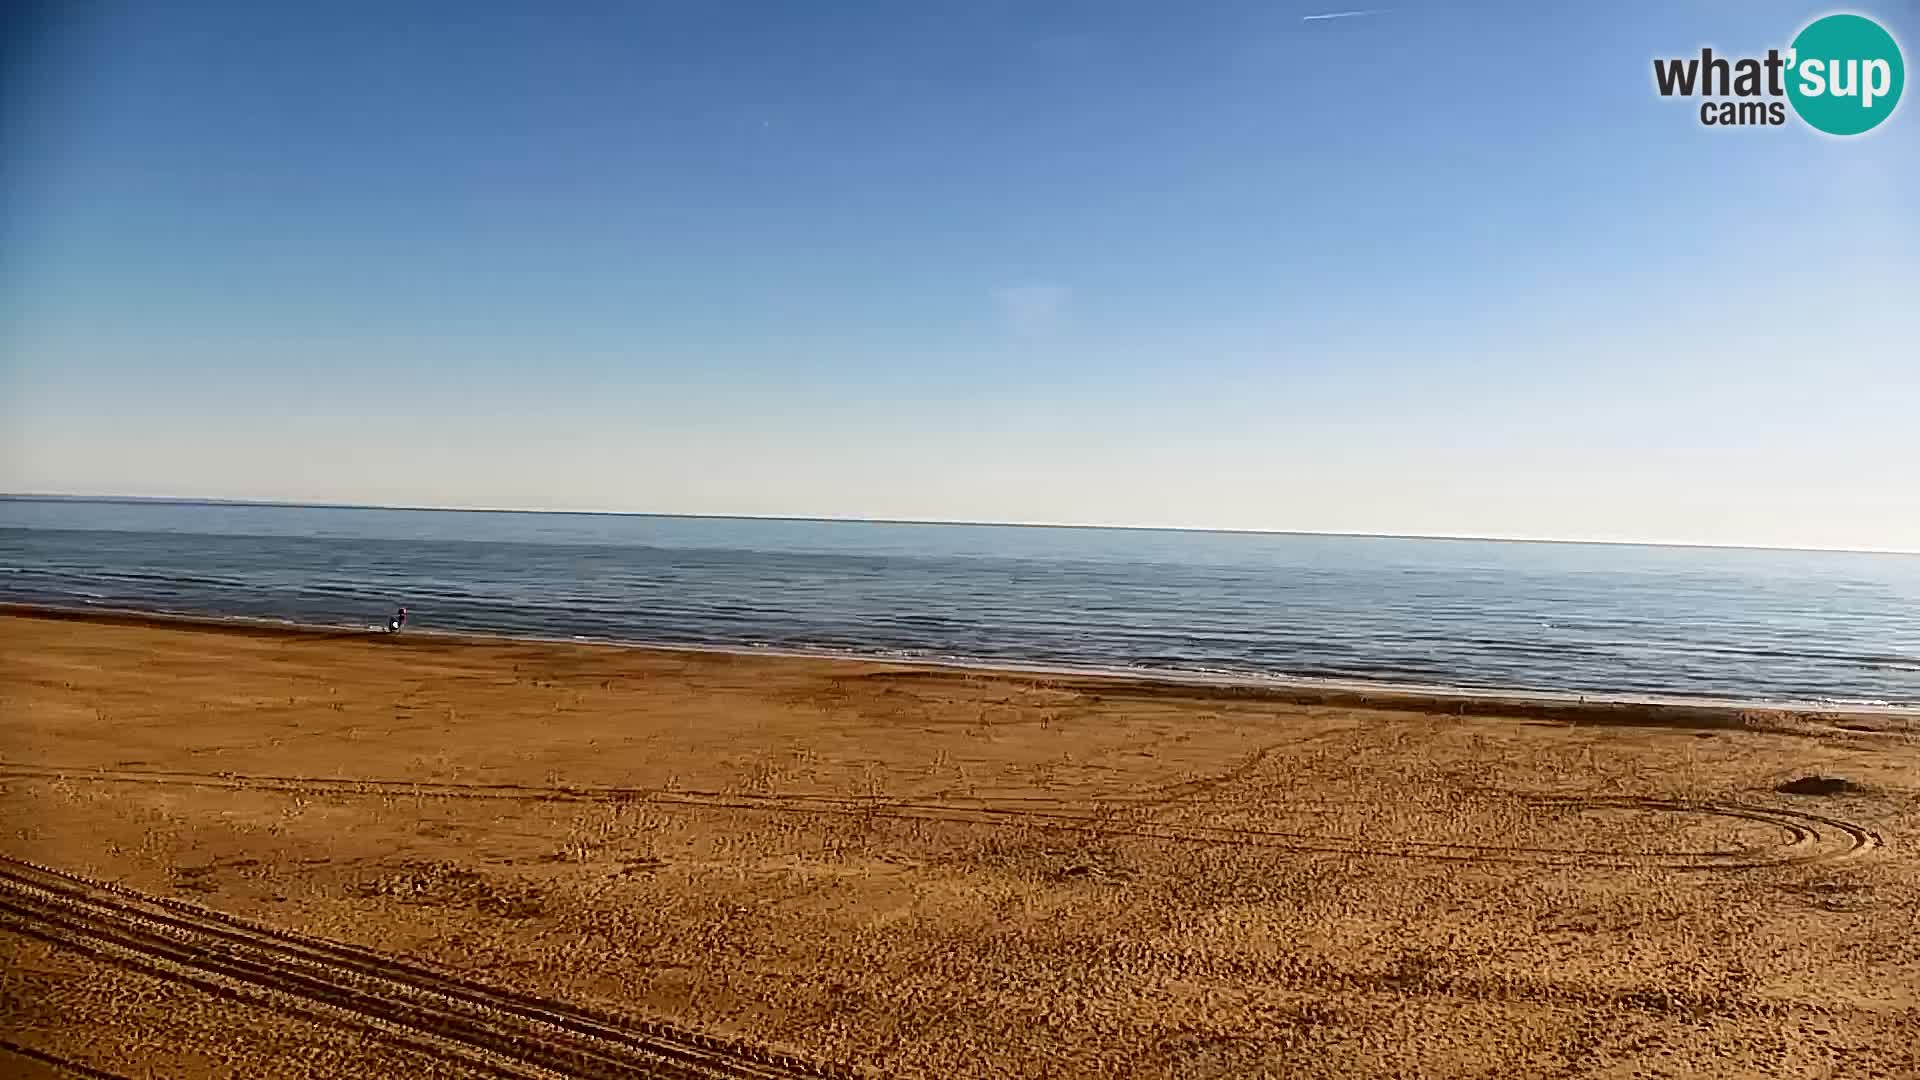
point(1450, 268)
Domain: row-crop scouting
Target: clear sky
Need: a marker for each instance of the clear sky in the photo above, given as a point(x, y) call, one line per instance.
point(1447, 268)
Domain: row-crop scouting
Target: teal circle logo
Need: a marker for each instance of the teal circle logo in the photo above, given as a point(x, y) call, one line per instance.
point(1845, 74)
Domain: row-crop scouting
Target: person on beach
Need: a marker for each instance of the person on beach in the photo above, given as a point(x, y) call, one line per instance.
point(399, 620)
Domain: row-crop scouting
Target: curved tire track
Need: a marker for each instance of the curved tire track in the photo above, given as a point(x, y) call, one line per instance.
point(1808, 837)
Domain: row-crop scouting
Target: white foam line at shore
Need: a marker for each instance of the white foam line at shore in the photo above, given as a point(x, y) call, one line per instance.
point(1163, 676)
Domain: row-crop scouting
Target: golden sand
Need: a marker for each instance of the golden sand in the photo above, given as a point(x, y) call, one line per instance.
point(931, 872)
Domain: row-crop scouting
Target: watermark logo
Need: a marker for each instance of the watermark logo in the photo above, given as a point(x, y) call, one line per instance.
point(1843, 75)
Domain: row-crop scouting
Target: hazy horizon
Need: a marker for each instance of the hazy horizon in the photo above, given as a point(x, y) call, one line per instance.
point(1115, 265)
point(210, 500)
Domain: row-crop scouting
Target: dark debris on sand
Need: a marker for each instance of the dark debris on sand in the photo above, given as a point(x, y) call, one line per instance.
point(1817, 785)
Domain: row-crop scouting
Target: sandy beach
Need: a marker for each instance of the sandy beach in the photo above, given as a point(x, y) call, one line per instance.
point(247, 851)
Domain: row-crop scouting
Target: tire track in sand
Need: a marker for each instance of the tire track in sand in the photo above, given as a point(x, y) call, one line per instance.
point(65, 1066)
point(1806, 837)
point(485, 1028)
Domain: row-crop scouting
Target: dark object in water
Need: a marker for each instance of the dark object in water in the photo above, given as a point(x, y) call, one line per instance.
point(1816, 785)
point(399, 620)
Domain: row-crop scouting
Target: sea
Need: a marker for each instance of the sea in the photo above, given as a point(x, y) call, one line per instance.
point(1613, 620)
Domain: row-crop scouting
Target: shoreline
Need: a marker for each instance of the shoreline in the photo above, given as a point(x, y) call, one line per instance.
point(1566, 706)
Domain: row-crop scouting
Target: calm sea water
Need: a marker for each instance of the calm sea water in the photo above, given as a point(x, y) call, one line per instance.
point(1566, 617)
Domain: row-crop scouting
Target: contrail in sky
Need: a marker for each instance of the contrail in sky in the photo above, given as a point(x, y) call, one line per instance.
point(1344, 14)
